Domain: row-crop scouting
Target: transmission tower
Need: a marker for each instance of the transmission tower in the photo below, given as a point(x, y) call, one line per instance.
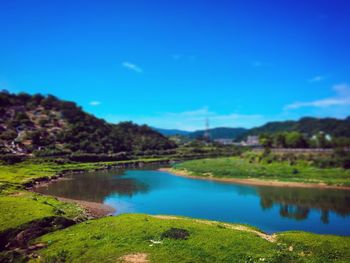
point(206, 133)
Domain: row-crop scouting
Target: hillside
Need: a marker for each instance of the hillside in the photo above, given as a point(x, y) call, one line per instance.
point(32, 123)
point(307, 125)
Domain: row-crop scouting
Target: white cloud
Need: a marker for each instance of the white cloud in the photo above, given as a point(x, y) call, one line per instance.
point(194, 120)
point(95, 103)
point(132, 67)
point(317, 79)
point(341, 98)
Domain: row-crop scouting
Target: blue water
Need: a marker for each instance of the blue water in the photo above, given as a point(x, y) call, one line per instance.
point(271, 209)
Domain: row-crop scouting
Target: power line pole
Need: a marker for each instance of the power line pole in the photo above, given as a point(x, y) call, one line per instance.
point(206, 133)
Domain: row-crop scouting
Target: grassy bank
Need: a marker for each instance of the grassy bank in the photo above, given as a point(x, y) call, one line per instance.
point(284, 171)
point(22, 173)
point(25, 207)
point(117, 239)
point(19, 206)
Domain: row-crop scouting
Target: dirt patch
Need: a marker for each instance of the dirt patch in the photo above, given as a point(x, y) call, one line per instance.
point(135, 258)
point(270, 238)
point(93, 209)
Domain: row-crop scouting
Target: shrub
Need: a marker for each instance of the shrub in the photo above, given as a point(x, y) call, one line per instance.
point(90, 157)
point(11, 158)
point(176, 233)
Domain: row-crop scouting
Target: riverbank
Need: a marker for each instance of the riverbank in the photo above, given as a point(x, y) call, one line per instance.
point(257, 182)
point(284, 174)
point(92, 209)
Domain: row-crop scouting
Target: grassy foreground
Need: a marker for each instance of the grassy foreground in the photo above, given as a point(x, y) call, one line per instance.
point(236, 167)
point(117, 239)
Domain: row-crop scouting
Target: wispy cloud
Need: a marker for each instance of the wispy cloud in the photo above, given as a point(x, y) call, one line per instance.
point(95, 103)
point(195, 119)
point(131, 66)
point(317, 79)
point(341, 98)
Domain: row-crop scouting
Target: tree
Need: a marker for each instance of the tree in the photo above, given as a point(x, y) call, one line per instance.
point(321, 140)
point(279, 140)
point(266, 140)
point(295, 140)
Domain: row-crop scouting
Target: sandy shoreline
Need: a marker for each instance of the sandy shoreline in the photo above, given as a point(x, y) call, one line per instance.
point(255, 182)
point(93, 209)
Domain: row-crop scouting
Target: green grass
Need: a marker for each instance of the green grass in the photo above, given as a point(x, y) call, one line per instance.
point(236, 167)
point(26, 206)
point(111, 238)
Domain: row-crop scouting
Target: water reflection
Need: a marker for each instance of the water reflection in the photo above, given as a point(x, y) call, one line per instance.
point(296, 203)
point(269, 208)
point(94, 187)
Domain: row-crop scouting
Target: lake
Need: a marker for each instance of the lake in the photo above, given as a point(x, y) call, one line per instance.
point(272, 209)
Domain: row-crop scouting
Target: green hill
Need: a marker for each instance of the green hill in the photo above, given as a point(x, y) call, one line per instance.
point(30, 123)
point(307, 125)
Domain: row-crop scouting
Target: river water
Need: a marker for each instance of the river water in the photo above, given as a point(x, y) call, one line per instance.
point(272, 209)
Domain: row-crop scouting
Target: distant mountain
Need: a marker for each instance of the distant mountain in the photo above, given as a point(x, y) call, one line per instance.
point(45, 123)
point(219, 133)
point(306, 125)
point(215, 133)
point(171, 132)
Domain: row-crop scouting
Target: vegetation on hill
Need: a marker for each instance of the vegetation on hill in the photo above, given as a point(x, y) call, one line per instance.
point(305, 133)
point(308, 126)
point(296, 139)
point(31, 123)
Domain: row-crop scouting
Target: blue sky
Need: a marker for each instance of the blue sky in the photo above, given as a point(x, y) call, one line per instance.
point(171, 64)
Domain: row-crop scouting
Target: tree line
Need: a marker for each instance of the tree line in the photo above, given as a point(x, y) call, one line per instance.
point(296, 139)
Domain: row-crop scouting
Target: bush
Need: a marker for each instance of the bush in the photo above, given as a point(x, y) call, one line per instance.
point(90, 157)
point(11, 158)
point(176, 233)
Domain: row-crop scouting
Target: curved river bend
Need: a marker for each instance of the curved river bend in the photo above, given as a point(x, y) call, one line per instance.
point(271, 209)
